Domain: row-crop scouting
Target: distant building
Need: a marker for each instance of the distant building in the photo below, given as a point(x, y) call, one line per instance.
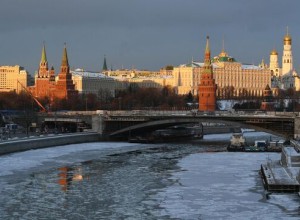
point(142, 78)
point(12, 78)
point(232, 77)
point(285, 77)
point(95, 83)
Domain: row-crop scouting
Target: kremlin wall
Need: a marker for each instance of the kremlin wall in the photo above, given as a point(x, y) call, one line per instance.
point(220, 75)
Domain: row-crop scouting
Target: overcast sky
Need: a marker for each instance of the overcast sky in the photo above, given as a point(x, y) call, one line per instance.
point(144, 34)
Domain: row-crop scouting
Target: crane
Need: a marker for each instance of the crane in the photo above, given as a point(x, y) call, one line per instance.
point(32, 96)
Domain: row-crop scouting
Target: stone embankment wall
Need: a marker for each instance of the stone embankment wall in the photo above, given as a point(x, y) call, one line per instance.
point(49, 141)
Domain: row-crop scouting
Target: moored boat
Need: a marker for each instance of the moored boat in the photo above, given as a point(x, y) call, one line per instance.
point(259, 145)
point(237, 142)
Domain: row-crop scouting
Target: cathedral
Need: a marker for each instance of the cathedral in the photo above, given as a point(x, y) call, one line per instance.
point(45, 83)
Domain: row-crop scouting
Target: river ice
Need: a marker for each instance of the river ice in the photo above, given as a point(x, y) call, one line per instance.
point(135, 181)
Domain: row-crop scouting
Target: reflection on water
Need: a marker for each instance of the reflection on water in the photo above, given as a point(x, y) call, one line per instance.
point(67, 175)
point(158, 182)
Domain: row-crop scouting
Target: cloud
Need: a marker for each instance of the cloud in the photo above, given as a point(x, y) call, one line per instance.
point(144, 33)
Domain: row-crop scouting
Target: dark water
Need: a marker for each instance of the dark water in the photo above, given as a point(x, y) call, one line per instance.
point(181, 181)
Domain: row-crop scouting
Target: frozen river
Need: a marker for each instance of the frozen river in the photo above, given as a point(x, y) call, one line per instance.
point(135, 181)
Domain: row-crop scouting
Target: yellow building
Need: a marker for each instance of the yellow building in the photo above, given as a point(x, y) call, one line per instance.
point(232, 78)
point(12, 77)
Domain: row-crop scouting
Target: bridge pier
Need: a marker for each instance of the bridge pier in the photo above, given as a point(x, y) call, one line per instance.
point(98, 124)
point(297, 128)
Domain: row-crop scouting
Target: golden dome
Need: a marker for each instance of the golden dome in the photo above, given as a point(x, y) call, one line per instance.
point(274, 52)
point(287, 38)
point(223, 54)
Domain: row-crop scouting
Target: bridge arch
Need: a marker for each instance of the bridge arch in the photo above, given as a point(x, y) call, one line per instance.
point(154, 125)
point(164, 123)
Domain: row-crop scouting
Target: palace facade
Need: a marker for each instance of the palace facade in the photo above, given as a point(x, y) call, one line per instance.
point(232, 77)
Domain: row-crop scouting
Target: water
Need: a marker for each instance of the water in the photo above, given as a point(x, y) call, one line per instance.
point(133, 181)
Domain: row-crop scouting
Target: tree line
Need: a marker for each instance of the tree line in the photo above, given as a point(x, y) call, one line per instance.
point(135, 98)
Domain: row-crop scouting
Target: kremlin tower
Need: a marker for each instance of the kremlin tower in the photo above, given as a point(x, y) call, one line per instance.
point(207, 86)
point(45, 79)
point(45, 84)
point(65, 88)
point(268, 102)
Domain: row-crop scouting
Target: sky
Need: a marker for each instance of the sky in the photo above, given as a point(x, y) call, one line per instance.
point(144, 34)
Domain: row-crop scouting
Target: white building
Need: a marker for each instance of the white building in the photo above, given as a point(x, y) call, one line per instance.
point(91, 82)
point(285, 77)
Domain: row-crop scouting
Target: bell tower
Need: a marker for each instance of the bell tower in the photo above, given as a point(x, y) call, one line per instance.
point(287, 57)
point(207, 86)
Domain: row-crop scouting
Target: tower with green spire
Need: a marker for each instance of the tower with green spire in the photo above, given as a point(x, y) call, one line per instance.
point(43, 68)
point(104, 68)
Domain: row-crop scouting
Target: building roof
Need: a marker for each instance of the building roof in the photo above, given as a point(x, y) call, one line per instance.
point(251, 67)
point(88, 74)
point(199, 64)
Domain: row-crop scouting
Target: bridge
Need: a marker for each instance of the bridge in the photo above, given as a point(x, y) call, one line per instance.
point(124, 123)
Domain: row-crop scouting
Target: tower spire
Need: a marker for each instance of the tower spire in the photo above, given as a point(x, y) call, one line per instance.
point(65, 61)
point(104, 68)
point(223, 44)
point(44, 57)
point(207, 52)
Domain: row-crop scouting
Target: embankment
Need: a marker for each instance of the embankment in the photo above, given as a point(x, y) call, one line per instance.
point(23, 144)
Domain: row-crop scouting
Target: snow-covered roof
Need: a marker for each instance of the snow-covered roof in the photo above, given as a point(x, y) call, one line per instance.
point(251, 67)
point(199, 64)
point(195, 64)
point(88, 74)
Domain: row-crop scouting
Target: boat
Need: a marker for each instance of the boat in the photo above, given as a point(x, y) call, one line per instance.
point(276, 146)
point(259, 145)
point(237, 142)
point(177, 133)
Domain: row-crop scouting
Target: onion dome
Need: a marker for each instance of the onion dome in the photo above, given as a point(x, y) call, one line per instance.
point(287, 40)
point(274, 52)
point(287, 37)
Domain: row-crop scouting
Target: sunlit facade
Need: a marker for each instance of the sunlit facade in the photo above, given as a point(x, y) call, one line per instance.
point(232, 77)
point(87, 82)
point(12, 78)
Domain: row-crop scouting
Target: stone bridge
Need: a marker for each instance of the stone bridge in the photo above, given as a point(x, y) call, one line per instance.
point(118, 123)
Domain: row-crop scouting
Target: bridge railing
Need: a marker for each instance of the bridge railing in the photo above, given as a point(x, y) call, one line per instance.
point(196, 112)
